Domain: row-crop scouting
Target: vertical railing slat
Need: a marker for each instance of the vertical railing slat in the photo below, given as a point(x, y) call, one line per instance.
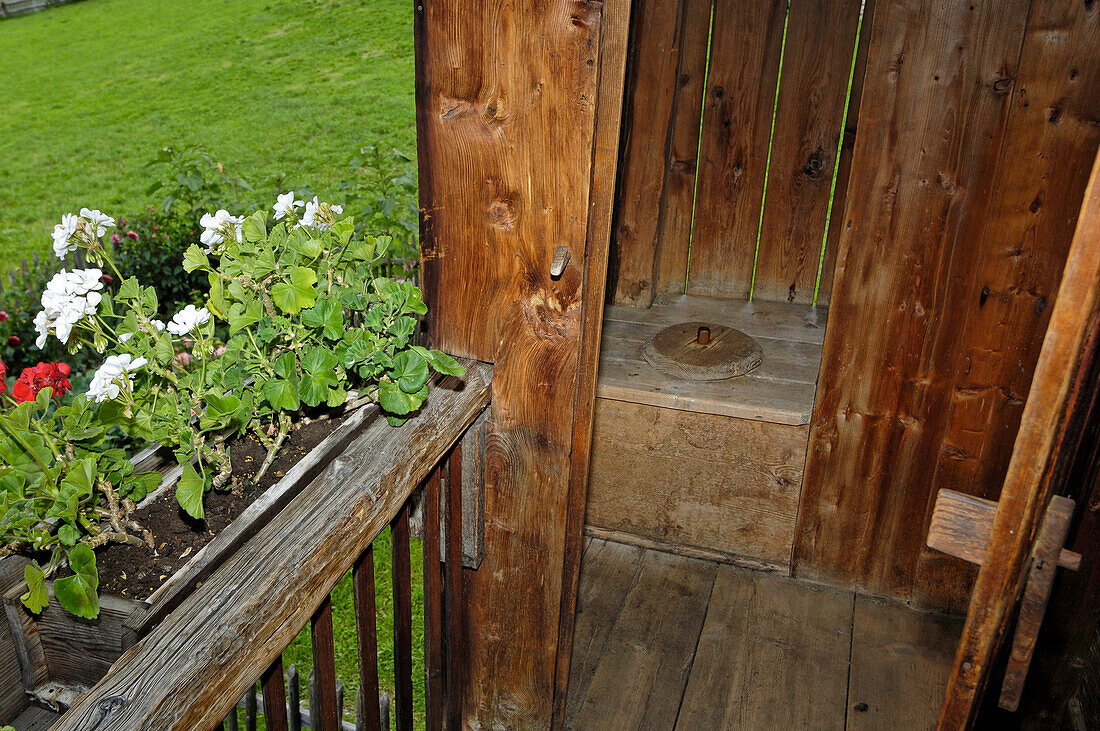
point(402, 619)
point(362, 583)
point(294, 699)
point(324, 714)
point(250, 709)
point(453, 589)
point(433, 606)
point(275, 716)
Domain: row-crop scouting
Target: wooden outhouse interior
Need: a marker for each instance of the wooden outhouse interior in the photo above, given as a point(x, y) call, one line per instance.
point(883, 195)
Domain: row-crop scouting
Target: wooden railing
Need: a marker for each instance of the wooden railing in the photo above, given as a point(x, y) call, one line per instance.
point(191, 670)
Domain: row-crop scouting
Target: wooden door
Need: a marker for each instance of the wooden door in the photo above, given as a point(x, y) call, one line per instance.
point(518, 107)
point(1049, 439)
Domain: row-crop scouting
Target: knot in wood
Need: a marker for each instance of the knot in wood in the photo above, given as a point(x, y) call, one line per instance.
point(815, 164)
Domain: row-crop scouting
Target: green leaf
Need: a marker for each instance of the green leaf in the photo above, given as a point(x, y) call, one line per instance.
point(445, 364)
point(296, 294)
point(81, 477)
point(344, 230)
point(215, 298)
point(129, 288)
point(189, 491)
point(254, 228)
point(141, 484)
point(195, 258)
point(68, 535)
point(325, 314)
point(36, 598)
point(282, 394)
point(79, 593)
point(244, 315)
point(396, 401)
point(410, 371)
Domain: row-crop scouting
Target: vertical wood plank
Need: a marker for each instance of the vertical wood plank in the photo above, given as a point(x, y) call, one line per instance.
point(366, 633)
point(655, 55)
point(737, 119)
point(678, 198)
point(250, 709)
point(433, 605)
point(1050, 143)
point(821, 38)
point(456, 656)
point(918, 200)
point(844, 166)
point(1050, 435)
point(605, 157)
point(294, 699)
point(506, 97)
point(323, 710)
point(274, 690)
point(402, 618)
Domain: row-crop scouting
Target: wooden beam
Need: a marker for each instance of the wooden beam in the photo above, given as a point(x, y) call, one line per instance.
point(507, 99)
point(189, 672)
point(1048, 436)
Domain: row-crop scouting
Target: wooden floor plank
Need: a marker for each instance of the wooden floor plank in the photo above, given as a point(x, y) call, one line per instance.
point(901, 660)
point(608, 571)
point(772, 655)
point(639, 680)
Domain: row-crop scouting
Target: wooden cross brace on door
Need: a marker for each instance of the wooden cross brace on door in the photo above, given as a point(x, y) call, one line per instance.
point(961, 526)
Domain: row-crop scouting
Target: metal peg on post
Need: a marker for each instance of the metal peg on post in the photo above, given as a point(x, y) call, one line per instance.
point(561, 261)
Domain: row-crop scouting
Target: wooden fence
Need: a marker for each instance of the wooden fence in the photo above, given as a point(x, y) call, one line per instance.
point(13, 8)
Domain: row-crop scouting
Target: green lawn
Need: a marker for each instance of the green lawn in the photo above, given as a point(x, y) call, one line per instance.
point(278, 88)
point(93, 89)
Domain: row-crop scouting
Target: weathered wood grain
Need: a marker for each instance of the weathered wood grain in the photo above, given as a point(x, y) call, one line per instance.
point(683, 549)
point(641, 675)
point(714, 482)
point(506, 101)
point(737, 121)
point(452, 590)
point(775, 320)
point(190, 670)
point(274, 697)
point(773, 654)
point(821, 39)
point(26, 641)
point(401, 581)
point(366, 640)
point(12, 698)
point(1050, 431)
point(650, 95)
point(900, 663)
point(433, 604)
point(1051, 140)
point(682, 160)
point(935, 101)
point(844, 165)
point(608, 572)
point(80, 651)
point(1042, 568)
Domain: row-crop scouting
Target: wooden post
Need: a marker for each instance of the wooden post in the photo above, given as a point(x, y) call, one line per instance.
point(507, 101)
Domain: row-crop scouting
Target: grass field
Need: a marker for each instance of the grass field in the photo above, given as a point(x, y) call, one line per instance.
point(276, 88)
point(280, 87)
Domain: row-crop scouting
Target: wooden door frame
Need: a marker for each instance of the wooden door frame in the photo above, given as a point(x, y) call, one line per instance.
point(1047, 443)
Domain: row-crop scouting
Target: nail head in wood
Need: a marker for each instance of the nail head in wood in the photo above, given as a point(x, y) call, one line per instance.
point(703, 336)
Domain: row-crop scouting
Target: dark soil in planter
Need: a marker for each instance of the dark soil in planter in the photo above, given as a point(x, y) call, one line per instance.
point(135, 572)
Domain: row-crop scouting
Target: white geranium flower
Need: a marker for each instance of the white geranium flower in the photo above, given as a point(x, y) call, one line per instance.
point(320, 215)
point(100, 222)
point(124, 337)
point(112, 375)
point(68, 298)
point(218, 226)
point(188, 319)
point(285, 204)
point(63, 236)
point(158, 324)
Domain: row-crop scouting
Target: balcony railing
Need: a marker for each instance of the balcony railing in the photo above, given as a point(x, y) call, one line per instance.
point(191, 670)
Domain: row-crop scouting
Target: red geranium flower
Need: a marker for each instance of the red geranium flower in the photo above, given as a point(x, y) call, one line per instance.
point(33, 380)
point(13, 341)
point(3, 372)
point(132, 235)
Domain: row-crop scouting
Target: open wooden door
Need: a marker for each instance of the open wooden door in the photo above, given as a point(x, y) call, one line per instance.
point(1050, 436)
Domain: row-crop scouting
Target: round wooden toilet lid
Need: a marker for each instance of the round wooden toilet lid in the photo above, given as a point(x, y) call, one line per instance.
point(702, 351)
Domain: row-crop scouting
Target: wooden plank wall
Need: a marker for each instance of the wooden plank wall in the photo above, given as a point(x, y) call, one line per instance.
point(672, 207)
point(977, 126)
point(507, 103)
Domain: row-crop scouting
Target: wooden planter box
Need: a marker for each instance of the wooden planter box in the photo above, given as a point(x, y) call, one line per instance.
point(58, 656)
